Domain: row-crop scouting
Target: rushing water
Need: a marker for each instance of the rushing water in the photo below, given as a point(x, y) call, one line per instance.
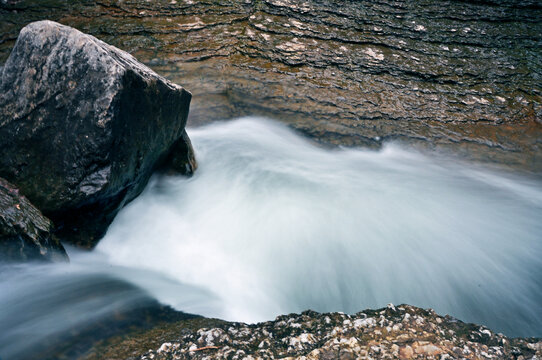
point(272, 224)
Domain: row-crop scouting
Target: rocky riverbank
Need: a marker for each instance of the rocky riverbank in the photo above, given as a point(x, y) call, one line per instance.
point(395, 332)
point(448, 75)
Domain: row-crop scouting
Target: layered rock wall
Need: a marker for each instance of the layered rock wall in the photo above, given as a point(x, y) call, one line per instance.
point(457, 74)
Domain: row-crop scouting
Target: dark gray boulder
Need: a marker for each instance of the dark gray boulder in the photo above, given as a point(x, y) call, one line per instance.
point(25, 234)
point(83, 125)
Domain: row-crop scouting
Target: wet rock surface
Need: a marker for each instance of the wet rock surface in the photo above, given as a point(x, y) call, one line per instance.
point(79, 342)
point(83, 125)
point(25, 234)
point(395, 332)
point(64, 330)
point(446, 74)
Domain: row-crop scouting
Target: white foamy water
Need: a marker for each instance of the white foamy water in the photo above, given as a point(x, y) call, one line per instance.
point(272, 224)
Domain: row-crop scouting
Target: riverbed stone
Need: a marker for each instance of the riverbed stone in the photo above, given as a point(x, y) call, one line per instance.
point(83, 125)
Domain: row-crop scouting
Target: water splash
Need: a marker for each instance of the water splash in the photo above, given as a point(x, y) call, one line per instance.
point(272, 224)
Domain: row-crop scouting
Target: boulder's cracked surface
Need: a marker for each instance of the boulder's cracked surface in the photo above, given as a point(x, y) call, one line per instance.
point(450, 74)
point(25, 234)
point(83, 125)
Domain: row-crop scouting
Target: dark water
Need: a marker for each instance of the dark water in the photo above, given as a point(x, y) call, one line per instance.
point(271, 224)
point(61, 310)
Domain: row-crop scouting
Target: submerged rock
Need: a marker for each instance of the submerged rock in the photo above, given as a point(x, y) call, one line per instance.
point(83, 125)
point(25, 234)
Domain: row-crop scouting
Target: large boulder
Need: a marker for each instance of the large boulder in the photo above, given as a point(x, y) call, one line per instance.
point(83, 125)
point(25, 234)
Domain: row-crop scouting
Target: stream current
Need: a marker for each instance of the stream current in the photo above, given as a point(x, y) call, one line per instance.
point(272, 224)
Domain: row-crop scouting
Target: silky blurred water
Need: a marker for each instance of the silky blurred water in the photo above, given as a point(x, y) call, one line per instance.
point(42, 306)
point(271, 224)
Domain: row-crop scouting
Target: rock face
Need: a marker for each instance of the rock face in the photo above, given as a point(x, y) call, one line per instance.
point(449, 74)
point(83, 125)
point(396, 332)
point(25, 234)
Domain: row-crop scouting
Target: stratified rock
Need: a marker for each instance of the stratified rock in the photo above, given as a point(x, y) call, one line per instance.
point(25, 234)
point(452, 74)
point(83, 125)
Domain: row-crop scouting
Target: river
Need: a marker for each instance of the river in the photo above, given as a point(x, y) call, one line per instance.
point(272, 224)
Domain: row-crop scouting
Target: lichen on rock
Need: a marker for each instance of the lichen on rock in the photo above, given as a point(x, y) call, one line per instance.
point(393, 332)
